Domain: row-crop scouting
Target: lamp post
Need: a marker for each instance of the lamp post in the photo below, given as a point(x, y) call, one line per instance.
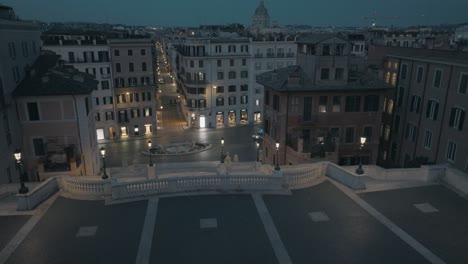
point(103, 155)
point(149, 151)
point(23, 189)
point(257, 145)
point(359, 170)
point(277, 167)
point(222, 150)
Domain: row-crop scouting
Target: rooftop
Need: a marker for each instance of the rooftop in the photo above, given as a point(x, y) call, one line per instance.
point(280, 80)
point(48, 77)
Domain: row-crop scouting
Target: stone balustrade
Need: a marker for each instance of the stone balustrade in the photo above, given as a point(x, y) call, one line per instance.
point(86, 187)
point(40, 193)
point(125, 190)
point(297, 177)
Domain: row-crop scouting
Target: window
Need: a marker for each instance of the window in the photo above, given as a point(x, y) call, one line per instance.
point(218, 48)
point(349, 137)
point(336, 104)
point(97, 100)
point(325, 50)
point(33, 111)
point(109, 115)
point(219, 101)
point(323, 100)
point(117, 67)
point(387, 133)
point(267, 97)
point(134, 97)
point(192, 64)
point(432, 109)
point(257, 90)
point(231, 48)
point(12, 50)
point(130, 52)
point(400, 94)
point(232, 100)
point(437, 78)
point(244, 62)
point(147, 111)
point(451, 150)
point(220, 75)
point(71, 56)
point(269, 65)
point(415, 104)
point(427, 139)
point(219, 63)
point(419, 74)
point(104, 85)
point(131, 67)
point(324, 74)
point(200, 64)
point(244, 99)
point(231, 62)
point(143, 52)
point(403, 72)
point(39, 148)
point(294, 105)
point(220, 89)
point(232, 88)
point(463, 84)
point(394, 79)
point(135, 113)
point(396, 124)
point(232, 75)
point(457, 118)
point(307, 111)
point(353, 103)
point(339, 74)
point(411, 131)
point(97, 117)
point(339, 49)
point(371, 103)
point(276, 102)
point(258, 65)
point(387, 77)
point(244, 74)
point(244, 87)
point(368, 133)
point(143, 66)
point(116, 52)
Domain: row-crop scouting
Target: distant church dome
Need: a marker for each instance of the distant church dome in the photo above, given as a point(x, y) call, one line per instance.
point(261, 19)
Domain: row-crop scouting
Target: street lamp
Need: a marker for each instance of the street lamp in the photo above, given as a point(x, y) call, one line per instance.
point(23, 189)
point(257, 145)
point(277, 167)
point(149, 151)
point(222, 150)
point(359, 170)
point(103, 155)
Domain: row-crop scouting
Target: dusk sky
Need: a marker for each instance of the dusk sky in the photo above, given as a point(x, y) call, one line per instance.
point(194, 13)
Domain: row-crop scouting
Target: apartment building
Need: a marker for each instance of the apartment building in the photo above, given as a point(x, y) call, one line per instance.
point(20, 46)
point(56, 115)
point(431, 101)
point(90, 54)
point(134, 85)
point(216, 76)
point(320, 108)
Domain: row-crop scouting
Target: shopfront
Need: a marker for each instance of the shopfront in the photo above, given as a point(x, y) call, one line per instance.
point(219, 119)
point(232, 117)
point(244, 116)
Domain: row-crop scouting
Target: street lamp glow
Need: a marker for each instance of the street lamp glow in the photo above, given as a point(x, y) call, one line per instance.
point(149, 144)
point(23, 189)
point(277, 167)
point(277, 145)
point(222, 150)
point(17, 155)
point(149, 152)
point(363, 140)
point(102, 151)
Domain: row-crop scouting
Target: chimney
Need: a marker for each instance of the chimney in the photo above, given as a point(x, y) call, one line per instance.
point(294, 79)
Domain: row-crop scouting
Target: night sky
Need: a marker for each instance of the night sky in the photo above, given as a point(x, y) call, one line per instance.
point(196, 12)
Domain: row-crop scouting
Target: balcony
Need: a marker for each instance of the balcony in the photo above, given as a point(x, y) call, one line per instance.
point(202, 82)
point(280, 55)
point(270, 55)
point(258, 55)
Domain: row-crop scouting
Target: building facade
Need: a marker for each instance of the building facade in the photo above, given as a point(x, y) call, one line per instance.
point(20, 46)
point(56, 114)
point(216, 77)
point(320, 108)
point(90, 54)
point(134, 85)
point(431, 101)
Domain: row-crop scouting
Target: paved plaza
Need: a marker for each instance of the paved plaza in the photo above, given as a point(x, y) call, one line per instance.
point(325, 223)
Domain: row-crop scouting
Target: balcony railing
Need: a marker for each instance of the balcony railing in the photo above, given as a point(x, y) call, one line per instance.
point(258, 55)
point(270, 55)
point(280, 55)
